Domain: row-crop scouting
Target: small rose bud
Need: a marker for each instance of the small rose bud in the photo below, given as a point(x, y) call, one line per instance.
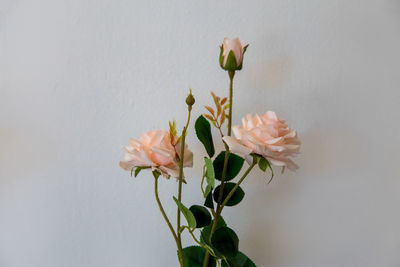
point(190, 99)
point(231, 55)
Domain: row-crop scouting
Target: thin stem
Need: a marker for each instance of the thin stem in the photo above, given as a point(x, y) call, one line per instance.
point(220, 131)
point(231, 75)
point(180, 178)
point(224, 170)
point(237, 185)
point(197, 241)
point(202, 181)
point(219, 211)
point(221, 190)
point(213, 213)
point(162, 210)
point(218, 125)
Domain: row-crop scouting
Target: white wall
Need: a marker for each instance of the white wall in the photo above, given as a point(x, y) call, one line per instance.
point(78, 78)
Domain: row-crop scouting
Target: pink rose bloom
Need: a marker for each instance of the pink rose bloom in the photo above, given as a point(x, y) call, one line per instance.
point(267, 136)
point(155, 149)
point(232, 61)
point(236, 47)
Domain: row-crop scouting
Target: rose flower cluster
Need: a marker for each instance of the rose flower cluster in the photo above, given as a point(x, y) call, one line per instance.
point(261, 140)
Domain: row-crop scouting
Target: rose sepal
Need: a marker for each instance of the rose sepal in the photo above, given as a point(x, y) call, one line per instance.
point(244, 51)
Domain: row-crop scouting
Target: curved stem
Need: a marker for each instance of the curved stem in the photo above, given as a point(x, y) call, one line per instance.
point(197, 241)
point(162, 210)
point(202, 181)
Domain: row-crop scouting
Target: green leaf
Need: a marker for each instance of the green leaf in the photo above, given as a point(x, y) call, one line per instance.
point(235, 164)
point(210, 173)
point(237, 196)
point(187, 213)
point(263, 163)
point(201, 214)
point(221, 58)
point(272, 172)
point(203, 132)
point(244, 51)
point(193, 257)
point(245, 48)
point(231, 62)
point(225, 241)
point(208, 190)
point(205, 233)
point(138, 169)
point(209, 202)
point(240, 260)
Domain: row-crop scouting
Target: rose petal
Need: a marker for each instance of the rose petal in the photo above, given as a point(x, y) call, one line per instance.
point(236, 147)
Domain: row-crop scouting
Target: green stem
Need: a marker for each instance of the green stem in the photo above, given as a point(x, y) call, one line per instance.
point(224, 170)
point(197, 241)
point(219, 211)
point(167, 220)
point(238, 184)
point(180, 178)
point(231, 75)
point(202, 182)
point(226, 159)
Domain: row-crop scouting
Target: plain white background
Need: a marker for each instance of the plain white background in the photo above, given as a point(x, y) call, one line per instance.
point(78, 78)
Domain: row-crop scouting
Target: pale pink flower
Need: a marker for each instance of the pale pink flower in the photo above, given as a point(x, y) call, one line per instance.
point(155, 149)
point(267, 136)
point(236, 47)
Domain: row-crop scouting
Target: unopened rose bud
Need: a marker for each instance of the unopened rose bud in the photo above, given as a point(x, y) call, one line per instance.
point(190, 99)
point(231, 56)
